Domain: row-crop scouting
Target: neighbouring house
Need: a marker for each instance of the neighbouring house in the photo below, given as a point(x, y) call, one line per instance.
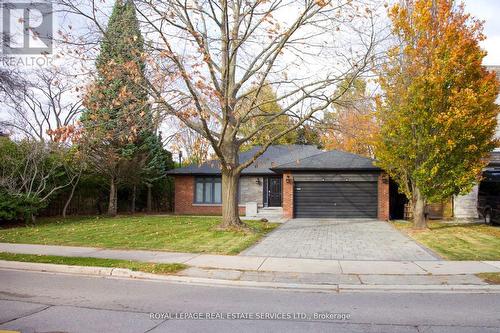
point(295, 180)
point(465, 206)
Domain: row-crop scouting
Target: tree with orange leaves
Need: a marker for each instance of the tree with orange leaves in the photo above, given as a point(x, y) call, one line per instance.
point(351, 124)
point(438, 114)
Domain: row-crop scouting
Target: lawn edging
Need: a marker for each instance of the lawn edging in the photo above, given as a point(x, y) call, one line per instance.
point(87, 265)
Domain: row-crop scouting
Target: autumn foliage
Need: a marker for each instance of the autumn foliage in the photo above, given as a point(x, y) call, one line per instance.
point(438, 112)
point(351, 125)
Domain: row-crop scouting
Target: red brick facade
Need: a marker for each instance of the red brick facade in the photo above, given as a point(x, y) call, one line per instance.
point(287, 195)
point(383, 197)
point(184, 198)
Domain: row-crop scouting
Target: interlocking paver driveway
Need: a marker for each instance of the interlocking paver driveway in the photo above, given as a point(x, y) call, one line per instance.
point(349, 239)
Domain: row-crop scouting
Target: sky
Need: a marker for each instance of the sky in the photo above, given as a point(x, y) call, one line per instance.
point(489, 11)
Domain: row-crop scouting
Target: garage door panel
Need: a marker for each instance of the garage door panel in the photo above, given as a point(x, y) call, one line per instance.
point(335, 199)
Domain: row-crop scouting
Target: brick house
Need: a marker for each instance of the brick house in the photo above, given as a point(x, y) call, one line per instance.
point(296, 180)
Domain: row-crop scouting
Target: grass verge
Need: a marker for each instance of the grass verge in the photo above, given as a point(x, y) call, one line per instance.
point(491, 278)
point(197, 234)
point(455, 241)
point(96, 262)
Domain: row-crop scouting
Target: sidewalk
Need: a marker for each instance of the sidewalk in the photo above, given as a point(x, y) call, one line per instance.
point(289, 270)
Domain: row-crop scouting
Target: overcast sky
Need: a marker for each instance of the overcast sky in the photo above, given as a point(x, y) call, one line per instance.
point(489, 11)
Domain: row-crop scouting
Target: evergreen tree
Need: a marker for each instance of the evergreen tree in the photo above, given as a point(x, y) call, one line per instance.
point(117, 122)
point(158, 162)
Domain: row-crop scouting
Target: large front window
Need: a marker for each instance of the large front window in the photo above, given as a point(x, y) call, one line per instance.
point(208, 190)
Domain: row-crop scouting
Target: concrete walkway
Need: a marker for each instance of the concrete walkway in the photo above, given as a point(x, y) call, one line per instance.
point(268, 264)
point(342, 239)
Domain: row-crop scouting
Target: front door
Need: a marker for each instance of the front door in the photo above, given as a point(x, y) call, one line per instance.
point(274, 192)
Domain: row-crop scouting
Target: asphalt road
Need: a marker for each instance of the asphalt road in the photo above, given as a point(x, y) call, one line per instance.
point(46, 302)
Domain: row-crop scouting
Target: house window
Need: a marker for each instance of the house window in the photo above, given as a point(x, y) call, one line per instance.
point(208, 190)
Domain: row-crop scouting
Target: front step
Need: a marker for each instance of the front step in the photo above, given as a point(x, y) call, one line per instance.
point(271, 209)
point(270, 212)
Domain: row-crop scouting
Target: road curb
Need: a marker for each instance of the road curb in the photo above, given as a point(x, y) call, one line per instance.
point(339, 288)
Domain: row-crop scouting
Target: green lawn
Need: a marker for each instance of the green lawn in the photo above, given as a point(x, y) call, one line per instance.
point(95, 262)
point(458, 241)
point(166, 233)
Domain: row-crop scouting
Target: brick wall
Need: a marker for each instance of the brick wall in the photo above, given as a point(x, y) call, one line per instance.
point(287, 194)
point(383, 197)
point(184, 192)
point(184, 198)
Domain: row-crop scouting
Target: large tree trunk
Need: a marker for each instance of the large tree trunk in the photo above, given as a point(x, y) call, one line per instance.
point(112, 207)
point(419, 216)
point(149, 203)
point(230, 179)
point(230, 211)
point(134, 194)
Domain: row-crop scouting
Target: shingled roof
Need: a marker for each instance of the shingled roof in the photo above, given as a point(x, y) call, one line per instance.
point(275, 155)
point(330, 161)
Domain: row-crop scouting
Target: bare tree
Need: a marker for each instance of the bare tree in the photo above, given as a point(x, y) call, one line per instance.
point(10, 81)
point(50, 101)
point(32, 172)
point(207, 58)
point(40, 110)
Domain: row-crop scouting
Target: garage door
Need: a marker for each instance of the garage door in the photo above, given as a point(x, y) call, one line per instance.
point(335, 199)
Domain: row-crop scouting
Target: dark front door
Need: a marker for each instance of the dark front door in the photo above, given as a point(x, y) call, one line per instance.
point(274, 192)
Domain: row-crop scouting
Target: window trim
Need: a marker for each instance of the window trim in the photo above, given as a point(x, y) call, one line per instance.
point(206, 180)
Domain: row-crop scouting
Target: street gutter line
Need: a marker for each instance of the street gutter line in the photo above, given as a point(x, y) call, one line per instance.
point(128, 274)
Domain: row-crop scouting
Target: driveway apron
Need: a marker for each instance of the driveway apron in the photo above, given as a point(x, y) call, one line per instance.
point(341, 239)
